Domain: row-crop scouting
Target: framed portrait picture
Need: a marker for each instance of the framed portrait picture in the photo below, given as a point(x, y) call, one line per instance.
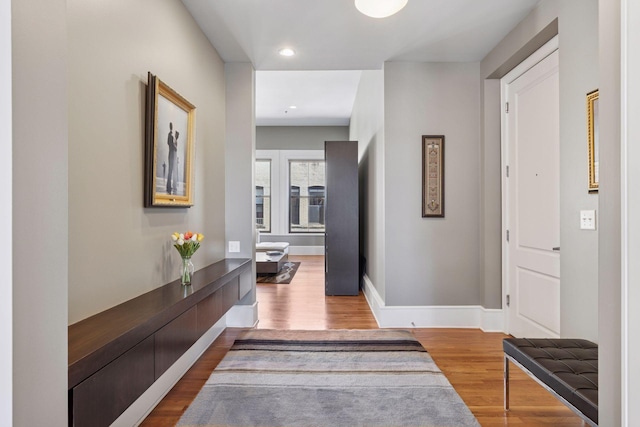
point(593, 132)
point(432, 176)
point(169, 147)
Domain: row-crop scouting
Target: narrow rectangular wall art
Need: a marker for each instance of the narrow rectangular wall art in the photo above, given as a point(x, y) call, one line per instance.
point(432, 176)
point(169, 147)
point(593, 140)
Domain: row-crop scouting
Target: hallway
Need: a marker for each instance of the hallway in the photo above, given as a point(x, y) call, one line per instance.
point(303, 305)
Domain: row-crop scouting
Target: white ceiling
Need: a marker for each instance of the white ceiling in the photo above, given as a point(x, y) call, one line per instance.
point(322, 98)
point(333, 35)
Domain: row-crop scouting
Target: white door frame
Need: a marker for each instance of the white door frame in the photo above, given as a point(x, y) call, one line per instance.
point(546, 50)
point(629, 208)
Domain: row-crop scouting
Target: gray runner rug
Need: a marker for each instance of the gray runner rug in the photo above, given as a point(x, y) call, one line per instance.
point(327, 378)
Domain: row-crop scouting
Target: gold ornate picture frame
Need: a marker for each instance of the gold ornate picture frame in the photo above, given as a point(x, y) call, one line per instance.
point(593, 132)
point(169, 147)
point(432, 176)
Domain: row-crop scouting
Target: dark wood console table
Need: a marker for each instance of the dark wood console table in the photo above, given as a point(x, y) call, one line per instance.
point(115, 355)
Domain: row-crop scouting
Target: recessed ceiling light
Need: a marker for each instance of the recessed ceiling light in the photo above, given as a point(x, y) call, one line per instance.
point(380, 8)
point(287, 51)
point(292, 107)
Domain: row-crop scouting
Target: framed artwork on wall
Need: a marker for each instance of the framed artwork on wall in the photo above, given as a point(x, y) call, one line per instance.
point(432, 176)
point(593, 132)
point(169, 147)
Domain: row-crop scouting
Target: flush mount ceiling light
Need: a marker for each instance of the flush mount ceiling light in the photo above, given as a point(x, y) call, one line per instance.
point(380, 8)
point(287, 51)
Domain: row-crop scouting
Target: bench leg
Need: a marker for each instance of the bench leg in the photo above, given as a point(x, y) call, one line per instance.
point(506, 383)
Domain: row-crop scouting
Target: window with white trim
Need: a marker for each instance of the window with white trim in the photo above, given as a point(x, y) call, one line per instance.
point(306, 196)
point(263, 195)
point(289, 203)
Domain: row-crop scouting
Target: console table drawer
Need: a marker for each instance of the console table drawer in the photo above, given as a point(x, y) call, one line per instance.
point(208, 312)
point(174, 339)
point(229, 295)
point(101, 398)
point(212, 308)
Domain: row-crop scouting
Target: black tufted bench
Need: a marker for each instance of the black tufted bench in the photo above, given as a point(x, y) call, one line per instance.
point(568, 368)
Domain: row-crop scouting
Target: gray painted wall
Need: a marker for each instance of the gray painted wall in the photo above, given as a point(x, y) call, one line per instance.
point(609, 260)
point(578, 28)
point(577, 25)
point(367, 127)
point(490, 196)
point(298, 137)
point(40, 221)
point(6, 280)
point(408, 114)
point(432, 261)
point(240, 142)
point(118, 249)
point(293, 239)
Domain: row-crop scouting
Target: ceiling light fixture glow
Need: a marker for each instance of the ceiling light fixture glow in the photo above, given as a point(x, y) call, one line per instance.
point(292, 107)
point(380, 8)
point(287, 51)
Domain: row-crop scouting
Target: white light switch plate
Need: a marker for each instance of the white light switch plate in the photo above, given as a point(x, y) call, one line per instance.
point(587, 220)
point(234, 246)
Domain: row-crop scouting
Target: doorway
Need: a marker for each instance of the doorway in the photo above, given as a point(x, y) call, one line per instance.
point(531, 195)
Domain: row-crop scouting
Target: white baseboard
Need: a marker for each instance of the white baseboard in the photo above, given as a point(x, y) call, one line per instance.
point(243, 316)
point(138, 411)
point(464, 316)
point(306, 250)
point(492, 320)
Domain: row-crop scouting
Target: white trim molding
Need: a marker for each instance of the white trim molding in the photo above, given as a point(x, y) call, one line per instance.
point(243, 316)
point(466, 316)
point(306, 250)
point(626, 206)
point(629, 210)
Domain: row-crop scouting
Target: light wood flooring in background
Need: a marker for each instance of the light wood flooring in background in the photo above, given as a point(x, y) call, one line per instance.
point(471, 359)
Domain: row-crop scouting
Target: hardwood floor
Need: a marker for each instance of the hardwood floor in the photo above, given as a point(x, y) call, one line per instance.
point(471, 359)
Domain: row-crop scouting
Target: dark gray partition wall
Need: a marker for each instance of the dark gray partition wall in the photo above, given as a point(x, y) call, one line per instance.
point(341, 218)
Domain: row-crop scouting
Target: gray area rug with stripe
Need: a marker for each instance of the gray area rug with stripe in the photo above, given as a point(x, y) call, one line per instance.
point(327, 378)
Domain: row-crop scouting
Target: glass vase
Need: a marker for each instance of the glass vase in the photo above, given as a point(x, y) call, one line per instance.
point(187, 271)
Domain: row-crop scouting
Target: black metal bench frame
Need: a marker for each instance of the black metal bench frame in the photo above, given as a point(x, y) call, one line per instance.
point(507, 359)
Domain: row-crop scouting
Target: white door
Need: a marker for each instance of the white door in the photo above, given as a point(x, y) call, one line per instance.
point(533, 200)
